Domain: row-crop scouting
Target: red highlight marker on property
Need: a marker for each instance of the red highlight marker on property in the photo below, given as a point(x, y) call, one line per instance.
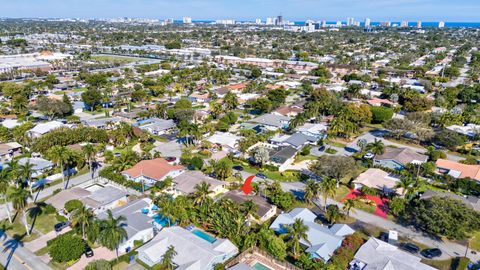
point(247, 185)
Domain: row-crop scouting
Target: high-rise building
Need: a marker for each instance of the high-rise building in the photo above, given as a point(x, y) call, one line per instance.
point(367, 22)
point(187, 20)
point(258, 21)
point(404, 24)
point(169, 21)
point(441, 24)
point(419, 24)
point(270, 21)
point(350, 21)
point(279, 20)
point(324, 24)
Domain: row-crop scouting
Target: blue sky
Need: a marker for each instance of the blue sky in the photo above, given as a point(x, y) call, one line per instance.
point(377, 10)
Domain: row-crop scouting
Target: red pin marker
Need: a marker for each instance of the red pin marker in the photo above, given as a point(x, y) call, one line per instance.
point(247, 187)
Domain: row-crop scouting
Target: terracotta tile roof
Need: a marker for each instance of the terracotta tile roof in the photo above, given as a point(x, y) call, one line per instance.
point(153, 169)
point(472, 171)
point(285, 110)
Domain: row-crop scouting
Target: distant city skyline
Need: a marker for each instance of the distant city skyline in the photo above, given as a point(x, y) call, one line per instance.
point(294, 10)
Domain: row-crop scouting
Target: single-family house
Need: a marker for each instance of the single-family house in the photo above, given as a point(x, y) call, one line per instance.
point(378, 179)
point(470, 130)
point(322, 241)
point(9, 151)
point(44, 128)
point(458, 170)
point(40, 165)
point(289, 111)
point(151, 171)
point(192, 250)
point(158, 126)
point(139, 226)
point(186, 182)
point(398, 158)
point(227, 140)
point(102, 123)
point(271, 121)
point(282, 156)
point(296, 140)
point(315, 130)
point(265, 210)
point(378, 255)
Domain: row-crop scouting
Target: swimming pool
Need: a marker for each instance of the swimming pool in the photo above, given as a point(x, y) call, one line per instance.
point(259, 266)
point(204, 236)
point(162, 220)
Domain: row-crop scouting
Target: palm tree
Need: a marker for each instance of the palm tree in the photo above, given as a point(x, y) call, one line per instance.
point(405, 184)
point(13, 170)
point(82, 216)
point(112, 231)
point(328, 188)
point(312, 190)
point(202, 193)
point(348, 206)
point(5, 181)
point(377, 147)
point(89, 151)
point(167, 258)
point(26, 171)
point(333, 213)
point(59, 155)
point(125, 161)
point(295, 232)
point(19, 198)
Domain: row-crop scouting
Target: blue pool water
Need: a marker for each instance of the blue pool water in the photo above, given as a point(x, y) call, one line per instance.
point(204, 236)
point(259, 266)
point(161, 220)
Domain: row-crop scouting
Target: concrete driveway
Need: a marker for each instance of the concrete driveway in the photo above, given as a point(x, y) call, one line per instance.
point(99, 253)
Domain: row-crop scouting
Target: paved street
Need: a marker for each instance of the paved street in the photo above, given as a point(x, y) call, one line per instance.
point(16, 257)
point(371, 136)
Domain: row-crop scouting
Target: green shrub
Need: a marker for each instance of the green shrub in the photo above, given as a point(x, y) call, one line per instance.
point(99, 265)
point(196, 163)
point(66, 247)
point(49, 209)
point(330, 151)
point(72, 205)
point(381, 114)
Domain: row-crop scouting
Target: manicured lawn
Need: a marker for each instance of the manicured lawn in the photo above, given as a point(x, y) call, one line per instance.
point(451, 264)
point(300, 158)
point(115, 59)
point(337, 144)
point(44, 223)
point(17, 228)
point(475, 241)
point(341, 192)
point(286, 176)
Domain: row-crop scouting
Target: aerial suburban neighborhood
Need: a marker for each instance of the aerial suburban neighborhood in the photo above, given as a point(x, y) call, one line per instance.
point(229, 144)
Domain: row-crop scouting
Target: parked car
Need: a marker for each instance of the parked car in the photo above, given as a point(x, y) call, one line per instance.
point(409, 247)
point(88, 251)
point(261, 175)
point(369, 156)
point(60, 226)
point(238, 168)
point(170, 159)
point(431, 253)
point(321, 148)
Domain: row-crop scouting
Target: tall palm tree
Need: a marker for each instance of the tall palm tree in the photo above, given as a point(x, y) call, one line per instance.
point(125, 161)
point(333, 213)
point(83, 217)
point(405, 184)
point(59, 155)
point(13, 170)
point(328, 188)
point(112, 231)
point(19, 198)
point(26, 171)
point(295, 232)
point(89, 151)
point(5, 181)
point(312, 190)
point(377, 147)
point(348, 206)
point(201, 193)
point(167, 258)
